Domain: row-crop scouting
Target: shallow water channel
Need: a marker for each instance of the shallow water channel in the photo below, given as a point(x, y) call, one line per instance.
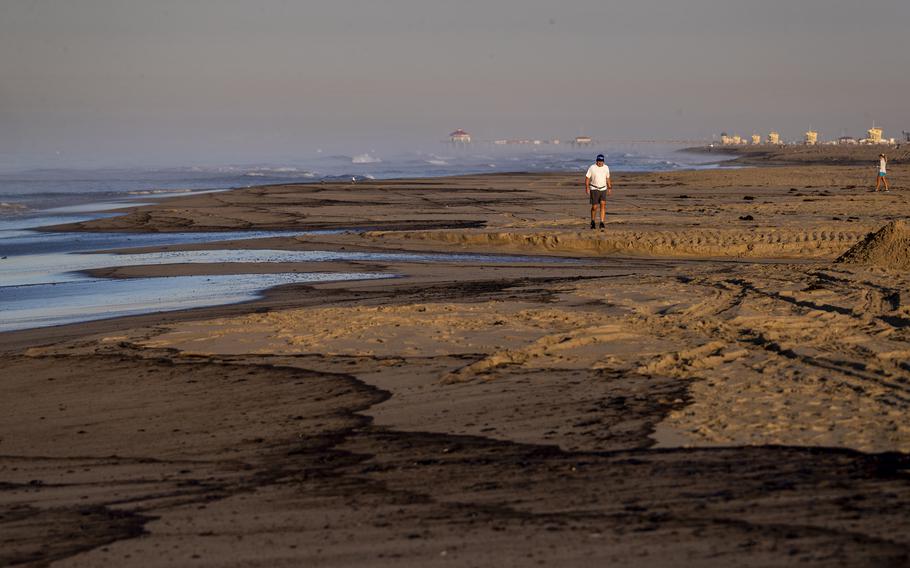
point(43, 280)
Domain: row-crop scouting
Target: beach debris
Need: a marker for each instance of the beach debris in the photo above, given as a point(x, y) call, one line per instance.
point(889, 247)
point(747, 218)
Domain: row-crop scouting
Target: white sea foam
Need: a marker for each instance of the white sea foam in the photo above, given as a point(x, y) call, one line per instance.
point(365, 159)
point(11, 208)
point(157, 191)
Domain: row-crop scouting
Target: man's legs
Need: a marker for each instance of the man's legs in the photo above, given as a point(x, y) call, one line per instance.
point(603, 211)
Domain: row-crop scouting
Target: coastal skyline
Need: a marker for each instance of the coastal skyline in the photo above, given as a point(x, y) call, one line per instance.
point(174, 82)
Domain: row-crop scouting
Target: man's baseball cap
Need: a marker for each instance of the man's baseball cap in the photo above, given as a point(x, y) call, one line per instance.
point(600, 157)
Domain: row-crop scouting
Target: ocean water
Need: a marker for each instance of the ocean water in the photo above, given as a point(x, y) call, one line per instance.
point(28, 243)
point(27, 192)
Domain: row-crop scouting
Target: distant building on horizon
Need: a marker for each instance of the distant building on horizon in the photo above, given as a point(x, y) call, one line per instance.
point(756, 139)
point(460, 137)
point(875, 135)
point(811, 138)
point(847, 141)
point(583, 141)
point(773, 137)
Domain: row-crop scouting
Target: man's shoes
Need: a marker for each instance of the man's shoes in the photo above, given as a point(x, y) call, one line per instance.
point(592, 225)
point(602, 226)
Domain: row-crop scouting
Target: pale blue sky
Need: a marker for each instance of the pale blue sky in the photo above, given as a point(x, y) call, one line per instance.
point(166, 80)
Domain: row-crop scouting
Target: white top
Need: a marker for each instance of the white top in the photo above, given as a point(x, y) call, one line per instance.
point(881, 167)
point(598, 176)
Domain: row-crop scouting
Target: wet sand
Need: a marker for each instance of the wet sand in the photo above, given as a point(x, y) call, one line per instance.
point(700, 388)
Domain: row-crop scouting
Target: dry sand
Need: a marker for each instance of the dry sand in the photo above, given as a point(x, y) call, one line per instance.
point(701, 388)
point(767, 154)
point(889, 247)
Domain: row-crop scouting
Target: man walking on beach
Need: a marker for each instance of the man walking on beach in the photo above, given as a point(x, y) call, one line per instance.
point(598, 186)
point(882, 172)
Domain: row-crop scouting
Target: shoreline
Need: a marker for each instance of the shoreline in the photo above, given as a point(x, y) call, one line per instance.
point(469, 224)
point(767, 155)
point(484, 413)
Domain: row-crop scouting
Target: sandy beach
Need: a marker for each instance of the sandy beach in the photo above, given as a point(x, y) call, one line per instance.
point(711, 381)
point(803, 154)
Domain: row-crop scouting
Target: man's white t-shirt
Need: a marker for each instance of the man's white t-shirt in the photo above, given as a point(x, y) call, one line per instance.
point(882, 165)
point(598, 176)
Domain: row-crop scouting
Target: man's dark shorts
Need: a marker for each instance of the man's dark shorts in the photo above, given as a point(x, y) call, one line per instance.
point(598, 195)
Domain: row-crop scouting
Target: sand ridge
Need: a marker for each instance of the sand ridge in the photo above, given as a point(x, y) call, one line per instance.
point(889, 247)
point(690, 243)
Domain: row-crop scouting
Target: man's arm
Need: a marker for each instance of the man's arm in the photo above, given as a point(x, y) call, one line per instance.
point(609, 186)
point(588, 185)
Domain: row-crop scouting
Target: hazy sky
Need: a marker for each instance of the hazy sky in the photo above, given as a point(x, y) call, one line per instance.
point(139, 81)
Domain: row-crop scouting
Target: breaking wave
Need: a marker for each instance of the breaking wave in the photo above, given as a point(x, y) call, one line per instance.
point(365, 159)
point(12, 208)
point(157, 191)
point(279, 172)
